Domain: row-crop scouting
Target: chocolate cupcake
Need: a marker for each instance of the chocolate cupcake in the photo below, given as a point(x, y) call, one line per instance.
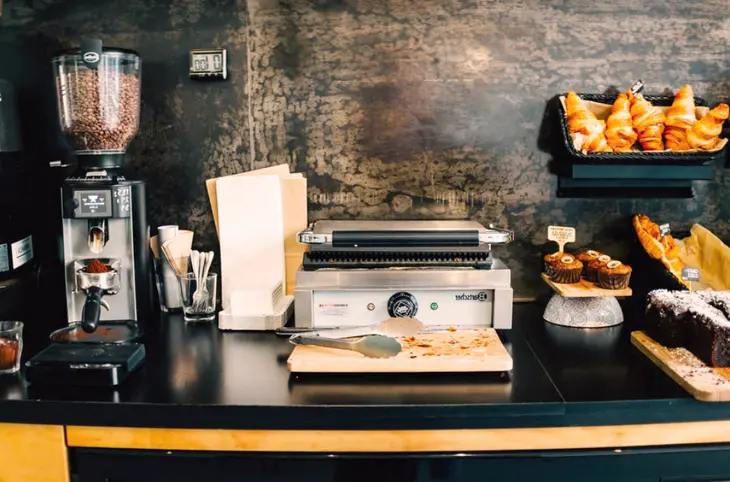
point(549, 260)
point(593, 267)
point(586, 257)
point(614, 275)
point(567, 270)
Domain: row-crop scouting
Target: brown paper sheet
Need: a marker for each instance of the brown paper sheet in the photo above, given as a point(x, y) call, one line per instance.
point(210, 184)
point(705, 251)
point(602, 111)
point(294, 205)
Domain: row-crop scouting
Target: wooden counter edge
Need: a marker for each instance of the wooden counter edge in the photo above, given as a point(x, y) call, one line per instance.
point(34, 453)
point(390, 441)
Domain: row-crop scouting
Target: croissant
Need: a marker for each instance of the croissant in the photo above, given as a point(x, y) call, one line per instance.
point(662, 248)
point(582, 121)
point(680, 117)
point(675, 267)
point(648, 234)
point(671, 250)
point(648, 121)
point(705, 133)
point(620, 132)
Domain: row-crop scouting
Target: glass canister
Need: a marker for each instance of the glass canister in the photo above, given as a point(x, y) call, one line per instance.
point(98, 91)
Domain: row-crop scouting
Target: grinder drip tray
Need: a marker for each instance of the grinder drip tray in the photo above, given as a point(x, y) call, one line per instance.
point(84, 364)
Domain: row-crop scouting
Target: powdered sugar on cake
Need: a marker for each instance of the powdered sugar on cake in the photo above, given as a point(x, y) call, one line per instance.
point(706, 306)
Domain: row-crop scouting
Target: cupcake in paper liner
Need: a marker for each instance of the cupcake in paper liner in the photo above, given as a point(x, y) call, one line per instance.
point(549, 260)
point(614, 275)
point(567, 270)
point(591, 273)
point(586, 257)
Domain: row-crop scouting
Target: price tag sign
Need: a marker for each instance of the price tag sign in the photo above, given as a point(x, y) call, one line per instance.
point(561, 235)
point(691, 274)
point(664, 229)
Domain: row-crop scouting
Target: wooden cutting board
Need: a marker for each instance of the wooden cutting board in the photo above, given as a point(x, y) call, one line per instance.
point(701, 381)
point(460, 351)
point(584, 289)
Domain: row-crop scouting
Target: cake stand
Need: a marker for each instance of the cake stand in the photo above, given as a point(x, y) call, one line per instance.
point(583, 305)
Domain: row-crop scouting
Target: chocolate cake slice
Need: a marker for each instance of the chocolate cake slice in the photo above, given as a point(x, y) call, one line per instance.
point(697, 321)
point(666, 314)
point(718, 299)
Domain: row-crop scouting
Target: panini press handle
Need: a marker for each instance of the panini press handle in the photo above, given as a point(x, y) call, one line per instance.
point(495, 235)
point(373, 239)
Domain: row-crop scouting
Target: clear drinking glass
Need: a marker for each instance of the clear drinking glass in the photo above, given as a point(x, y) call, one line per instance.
point(11, 346)
point(198, 304)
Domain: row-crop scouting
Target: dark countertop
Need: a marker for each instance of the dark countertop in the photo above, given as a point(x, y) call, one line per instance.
point(198, 377)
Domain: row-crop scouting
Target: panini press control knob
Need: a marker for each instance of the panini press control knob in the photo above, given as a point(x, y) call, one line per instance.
point(402, 305)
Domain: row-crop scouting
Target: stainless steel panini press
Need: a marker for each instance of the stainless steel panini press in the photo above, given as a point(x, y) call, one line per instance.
point(359, 273)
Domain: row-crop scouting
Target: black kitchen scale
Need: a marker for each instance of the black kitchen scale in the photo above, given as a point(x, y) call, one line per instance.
point(85, 364)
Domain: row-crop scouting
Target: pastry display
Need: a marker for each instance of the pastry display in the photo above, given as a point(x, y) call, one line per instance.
point(566, 270)
point(591, 265)
point(680, 117)
point(648, 121)
point(620, 133)
point(594, 266)
point(663, 248)
point(697, 321)
point(584, 126)
point(633, 124)
point(705, 133)
point(613, 275)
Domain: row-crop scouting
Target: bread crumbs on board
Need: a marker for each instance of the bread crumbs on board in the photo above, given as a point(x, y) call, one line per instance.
point(450, 343)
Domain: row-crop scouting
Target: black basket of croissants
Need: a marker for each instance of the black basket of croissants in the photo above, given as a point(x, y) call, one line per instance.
point(631, 128)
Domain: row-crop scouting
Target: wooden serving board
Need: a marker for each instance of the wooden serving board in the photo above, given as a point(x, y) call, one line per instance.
point(460, 351)
point(701, 381)
point(584, 289)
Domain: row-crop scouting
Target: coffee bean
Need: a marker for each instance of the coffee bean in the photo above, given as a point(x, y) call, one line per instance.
point(99, 109)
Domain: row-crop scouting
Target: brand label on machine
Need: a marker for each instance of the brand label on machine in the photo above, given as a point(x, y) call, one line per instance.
point(4, 258)
point(332, 309)
point(481, 296)
point(22, 251)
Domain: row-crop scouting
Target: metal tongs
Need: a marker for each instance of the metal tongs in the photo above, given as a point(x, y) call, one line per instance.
point(377, 341)
point(392, 327)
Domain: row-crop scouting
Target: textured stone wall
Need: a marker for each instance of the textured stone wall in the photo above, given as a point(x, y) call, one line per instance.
point(397, 108)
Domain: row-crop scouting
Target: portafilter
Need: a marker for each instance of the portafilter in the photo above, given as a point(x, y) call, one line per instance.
point(95, 286)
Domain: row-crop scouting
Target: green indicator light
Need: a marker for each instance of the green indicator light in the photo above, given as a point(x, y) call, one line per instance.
point(434, 306)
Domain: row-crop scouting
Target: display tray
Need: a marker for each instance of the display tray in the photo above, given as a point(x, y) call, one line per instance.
point(703, 382)
point(567, 152)
point(584, 289)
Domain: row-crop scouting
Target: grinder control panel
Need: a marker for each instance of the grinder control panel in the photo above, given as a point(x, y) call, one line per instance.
point(93, 204)
point(96, 202)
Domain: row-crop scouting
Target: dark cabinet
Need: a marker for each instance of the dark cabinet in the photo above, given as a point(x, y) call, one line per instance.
point(687, 464)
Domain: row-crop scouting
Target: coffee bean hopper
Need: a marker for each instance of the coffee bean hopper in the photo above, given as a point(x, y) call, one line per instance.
point(104, 222)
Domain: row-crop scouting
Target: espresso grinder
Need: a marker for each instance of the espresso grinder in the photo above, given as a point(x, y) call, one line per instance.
point(105, 232)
